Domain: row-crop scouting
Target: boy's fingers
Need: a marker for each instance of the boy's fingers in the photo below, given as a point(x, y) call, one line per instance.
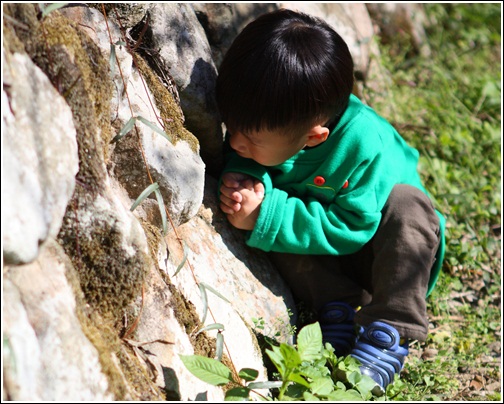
point(226, 209)
point(231, 193)
point(238, 180)
point(248, 183)
point(234, 180)
point(230, 182)
point(232, 205)
point(259, 189)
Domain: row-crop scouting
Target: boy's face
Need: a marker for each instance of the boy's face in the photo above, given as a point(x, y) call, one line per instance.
point(270, 148)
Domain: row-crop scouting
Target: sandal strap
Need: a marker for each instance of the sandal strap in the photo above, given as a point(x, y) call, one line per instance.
point(338, 328)
point(380, 352)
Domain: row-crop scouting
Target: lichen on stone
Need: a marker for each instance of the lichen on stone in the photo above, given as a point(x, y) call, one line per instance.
point(168, 108)
point(77, 69)
point(88, 90)
point(106, 278)
point(125, 374)
point(110, 276)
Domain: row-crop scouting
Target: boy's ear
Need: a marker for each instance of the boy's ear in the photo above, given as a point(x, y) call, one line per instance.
point(318, 134)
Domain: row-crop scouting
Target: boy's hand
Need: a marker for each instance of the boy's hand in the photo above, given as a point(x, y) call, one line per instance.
point(241, 198)
point(245, 218)
point(232, 183)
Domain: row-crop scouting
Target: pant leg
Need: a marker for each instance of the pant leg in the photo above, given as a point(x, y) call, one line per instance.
point(318, 279)
point(404, 249)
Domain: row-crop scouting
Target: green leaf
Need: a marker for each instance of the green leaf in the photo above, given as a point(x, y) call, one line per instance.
point(313, 370)
point(492, 91)
point(290, 356)
point(307, 396)
point(237, 394)
point(146, 192)
point(214, 326)
point(112, 60)
point(350, 364)
point(265, 385)
point(204, 299)
point(248, 374)
point(129, 125)
point(154, 127)
point(208, 287)
point(365, 386)
point(50, 8)
point(294, 392)
point(349, 395)
point(322, 386)
point(276, 357)
point(297, 378)
point(209, 370)
point(186, 251)
point(219, 346)
point(162, 210)
point(354, 377)
point(340, 386)
point(309, 341)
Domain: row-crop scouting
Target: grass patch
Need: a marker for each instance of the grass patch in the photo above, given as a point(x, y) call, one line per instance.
point(448, 106)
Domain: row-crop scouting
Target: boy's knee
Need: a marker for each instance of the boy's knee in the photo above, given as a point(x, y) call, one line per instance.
point(409, 200)
point(411, 207)
point(409, 193)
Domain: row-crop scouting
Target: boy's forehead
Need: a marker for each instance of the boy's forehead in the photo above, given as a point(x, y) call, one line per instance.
point(288, 134)
point(279, 137)
point(262, 133)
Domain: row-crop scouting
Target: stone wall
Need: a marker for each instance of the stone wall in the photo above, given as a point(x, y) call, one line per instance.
point(93, 306)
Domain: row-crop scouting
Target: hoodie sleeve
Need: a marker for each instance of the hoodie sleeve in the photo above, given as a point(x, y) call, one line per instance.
point(290, 224)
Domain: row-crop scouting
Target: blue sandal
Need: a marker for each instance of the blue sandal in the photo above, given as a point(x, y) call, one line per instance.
point(337, 323)
point(380, 352)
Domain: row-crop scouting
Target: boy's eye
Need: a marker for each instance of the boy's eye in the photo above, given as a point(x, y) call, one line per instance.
point(251, 140)
point(254, 142)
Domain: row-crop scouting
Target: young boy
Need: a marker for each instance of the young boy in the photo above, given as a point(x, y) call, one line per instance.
point(329, 188)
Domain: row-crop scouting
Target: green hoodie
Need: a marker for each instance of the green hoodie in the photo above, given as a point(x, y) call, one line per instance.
point(328, 199)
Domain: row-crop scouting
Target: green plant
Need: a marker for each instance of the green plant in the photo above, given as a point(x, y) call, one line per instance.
point(50, 7)
point(273, 332)
point(145, 193)
point(131, 123)
point(309, 371)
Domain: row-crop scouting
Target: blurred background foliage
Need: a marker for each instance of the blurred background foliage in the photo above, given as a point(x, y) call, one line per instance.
point(448, 106)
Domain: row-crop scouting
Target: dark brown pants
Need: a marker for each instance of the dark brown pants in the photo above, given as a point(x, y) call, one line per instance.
point(388, 277)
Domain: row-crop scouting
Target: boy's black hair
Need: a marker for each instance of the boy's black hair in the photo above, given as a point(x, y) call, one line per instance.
point(285, 70)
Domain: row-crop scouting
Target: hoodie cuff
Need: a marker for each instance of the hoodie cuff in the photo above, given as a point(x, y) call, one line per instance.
point(269, 221)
